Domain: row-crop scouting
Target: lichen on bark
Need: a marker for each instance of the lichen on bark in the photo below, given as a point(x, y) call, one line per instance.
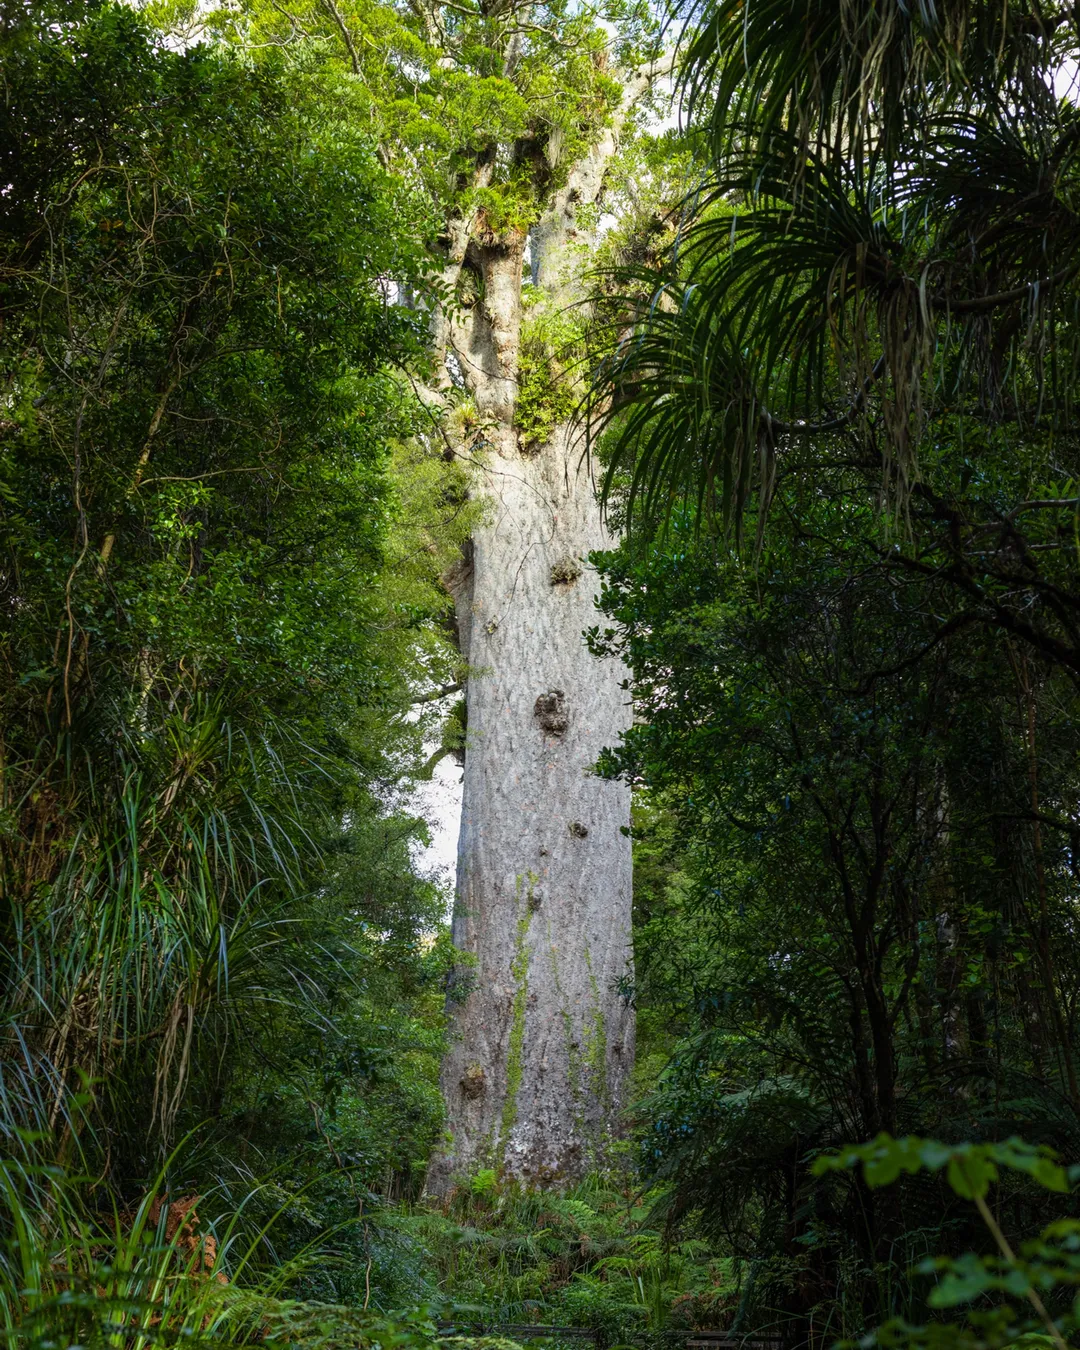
point(519, 970)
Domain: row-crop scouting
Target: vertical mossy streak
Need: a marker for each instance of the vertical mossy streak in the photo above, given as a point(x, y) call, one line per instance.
point(519, 969)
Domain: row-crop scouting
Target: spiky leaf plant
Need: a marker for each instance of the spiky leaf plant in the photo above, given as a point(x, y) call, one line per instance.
point(204, 657)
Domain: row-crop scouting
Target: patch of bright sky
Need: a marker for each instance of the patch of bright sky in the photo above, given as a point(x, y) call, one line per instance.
point(439, 802)
point(1067, 81)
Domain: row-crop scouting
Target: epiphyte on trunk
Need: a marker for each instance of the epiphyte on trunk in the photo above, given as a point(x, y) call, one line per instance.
point(550, 710)
point(472, 1081)
point(565, 571)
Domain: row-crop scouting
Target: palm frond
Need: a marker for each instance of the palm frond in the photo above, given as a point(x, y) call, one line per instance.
point(824, 69)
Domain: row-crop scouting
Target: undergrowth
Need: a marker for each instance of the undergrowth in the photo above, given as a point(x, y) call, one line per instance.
point(76, 1270)
point(595, 1256)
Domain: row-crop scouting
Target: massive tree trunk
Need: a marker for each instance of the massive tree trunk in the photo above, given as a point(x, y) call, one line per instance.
point(543, 1041)
point(543, 896)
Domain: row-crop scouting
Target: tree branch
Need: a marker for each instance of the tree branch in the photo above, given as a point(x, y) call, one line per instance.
point(346, 36)
point(979, 304)
point(953, 625)
point(439, 693)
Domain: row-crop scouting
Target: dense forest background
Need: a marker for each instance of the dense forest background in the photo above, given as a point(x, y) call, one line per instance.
point(826, 367)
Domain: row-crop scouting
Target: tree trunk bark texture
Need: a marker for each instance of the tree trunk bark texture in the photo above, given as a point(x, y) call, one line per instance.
point(542, 1040)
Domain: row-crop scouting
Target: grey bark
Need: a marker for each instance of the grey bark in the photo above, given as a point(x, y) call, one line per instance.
point(537, 1075)
point(542, 1040)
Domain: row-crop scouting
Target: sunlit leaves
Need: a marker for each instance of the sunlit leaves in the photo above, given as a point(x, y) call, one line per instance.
point(970, 1168)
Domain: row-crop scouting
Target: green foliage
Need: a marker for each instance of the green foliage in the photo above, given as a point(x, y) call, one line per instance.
point(509, 208)
point(219, 562)
point(443, 88)
point(969, 1168)
point(162, 1272)
point(828, 941)
point(855, 736)
point(551, 346)
point(223, 530)
point(590, 1256)
point(828, 286)
point(1046, 1266)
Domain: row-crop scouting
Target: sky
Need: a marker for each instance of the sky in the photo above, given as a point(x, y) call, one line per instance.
point(439, 802)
